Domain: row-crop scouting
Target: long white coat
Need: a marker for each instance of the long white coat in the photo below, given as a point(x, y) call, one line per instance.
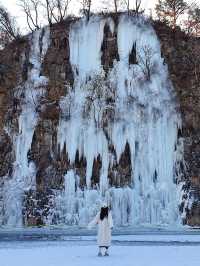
point(104, 229)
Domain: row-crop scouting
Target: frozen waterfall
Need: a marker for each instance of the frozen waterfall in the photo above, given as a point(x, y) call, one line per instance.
point(144, 115)
point(129, 107)
point(23, 176)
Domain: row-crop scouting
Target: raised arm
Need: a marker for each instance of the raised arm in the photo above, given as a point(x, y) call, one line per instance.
point(94, 221)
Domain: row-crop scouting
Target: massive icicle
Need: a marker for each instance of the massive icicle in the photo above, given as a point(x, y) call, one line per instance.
point(78, 133)
point(145, 117)
point(23, 177)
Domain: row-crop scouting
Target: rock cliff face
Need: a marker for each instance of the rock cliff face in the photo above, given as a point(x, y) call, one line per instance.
point(88, 113)
point(182, 56)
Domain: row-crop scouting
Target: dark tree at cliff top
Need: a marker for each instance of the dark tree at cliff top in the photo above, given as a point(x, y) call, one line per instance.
point(137, 6)
point(86, 8)
point(8, 27)
point(32, 12)
point(56, 10)
point(133, 5)
point(38, 11)
point(116, 5)
point(112, 5)
point(170, 10)
point(193, 20)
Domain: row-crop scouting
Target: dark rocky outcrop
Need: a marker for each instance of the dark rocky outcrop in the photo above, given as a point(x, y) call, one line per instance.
point(180, 53)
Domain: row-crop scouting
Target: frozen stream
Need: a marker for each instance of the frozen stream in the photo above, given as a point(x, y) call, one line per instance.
point(61, 247)
point(78, 254)
point(128, 236)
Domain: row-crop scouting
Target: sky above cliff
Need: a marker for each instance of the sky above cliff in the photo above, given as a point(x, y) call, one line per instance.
point(16, 11)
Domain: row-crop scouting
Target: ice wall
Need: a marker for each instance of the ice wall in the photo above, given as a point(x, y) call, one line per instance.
point(133, 103)
point(143, 114)
point(23, 176)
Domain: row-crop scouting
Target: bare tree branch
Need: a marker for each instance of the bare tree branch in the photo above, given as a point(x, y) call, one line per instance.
point(192, 23)
point(137, 6)
point(145, 61)
point(86, 7)
point(31, 10)
point(56, 10)
point(171, 10)
point(8, 28)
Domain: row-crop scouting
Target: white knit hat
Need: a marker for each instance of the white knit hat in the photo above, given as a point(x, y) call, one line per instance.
point(104, 204)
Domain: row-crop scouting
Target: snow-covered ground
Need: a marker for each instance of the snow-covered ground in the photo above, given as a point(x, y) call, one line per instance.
point(67, 254)
point(141, 249)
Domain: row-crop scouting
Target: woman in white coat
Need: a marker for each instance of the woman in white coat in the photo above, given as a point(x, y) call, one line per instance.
point(105, 224)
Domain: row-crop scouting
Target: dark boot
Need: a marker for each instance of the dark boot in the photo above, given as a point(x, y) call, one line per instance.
point(100, 252)
point(106, 253)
